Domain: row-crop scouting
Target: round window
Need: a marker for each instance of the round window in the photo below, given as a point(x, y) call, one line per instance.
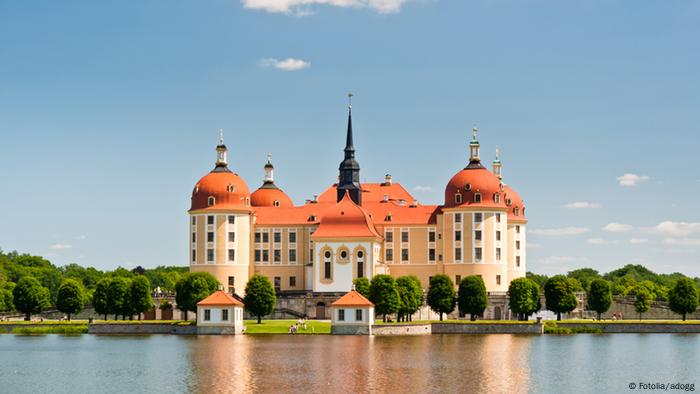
point(360, 254)
point(343, 255)
point(328, 255)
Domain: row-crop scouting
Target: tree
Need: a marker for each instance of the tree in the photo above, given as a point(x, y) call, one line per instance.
point(441, 294)
point(30, 296)
point(6, 300)
point(100, 298)
point(362, 286)
point(71, 297)
point(585, 276)
point(472, 298)
point(599, 296)
point(410, 296)
point(118, 297)
point(384, 295)
point(523, 297)
point(559, 295)
point(192, 288)
point(259, 297)
point(683, 298)
point(140, 299)
point(642, 301)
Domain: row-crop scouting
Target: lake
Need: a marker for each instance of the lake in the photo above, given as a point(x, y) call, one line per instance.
point(283, 364)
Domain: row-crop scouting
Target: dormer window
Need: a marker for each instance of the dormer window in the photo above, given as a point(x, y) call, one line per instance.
point(312, 218)
point(468, 187)
point(477, 197)
point(458, 198)
point(210, 201)
point(230, 188)
point(276, 203)
point(247, 201)
point(388, 218)
point(496, 198)
point(509, 202)
point(516, 211)
point(500, 186)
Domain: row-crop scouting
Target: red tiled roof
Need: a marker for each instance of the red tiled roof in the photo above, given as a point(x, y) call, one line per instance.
point(266, 197)
point(346, 219)
point(228, 189)
point(470, 181)
point(353, 298)
point(220, 297)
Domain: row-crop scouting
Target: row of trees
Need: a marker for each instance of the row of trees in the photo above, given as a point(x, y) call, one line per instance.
point(122, 296)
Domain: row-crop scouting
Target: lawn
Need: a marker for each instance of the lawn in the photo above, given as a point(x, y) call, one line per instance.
point(282, 327)
point(628, 321)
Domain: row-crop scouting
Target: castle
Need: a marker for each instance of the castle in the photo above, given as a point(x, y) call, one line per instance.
point(356, 229)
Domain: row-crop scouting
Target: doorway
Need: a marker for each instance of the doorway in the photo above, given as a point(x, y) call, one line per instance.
point(320, 310)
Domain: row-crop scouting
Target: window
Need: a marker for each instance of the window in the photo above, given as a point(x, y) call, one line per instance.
point(266, 237)
point(458, 279)
point(292, 237)
point(210, 236)
point(404, 254)
point(478, 217)
point(278, 283)
point(207, 314)
point(360, 254)
point(360, 269)
point(327, 254)
point(277, 237)
point(194, 255)
point(477, 254)
point(517, 229)
point(311, 255)
point(257, 255)
point(210, 201)
point(477, 197)
point(389, 254)
point(458, 235)
point(230, 188)
point(277, 255)
point(458, 198)
point(231, 236)
point(224, 314)
point(458, 254)
point(498, 253)
point(404, 236)
point(477, 235)
point(194, 237)
point(276, 203)
point(431, 236)
point(341, 314)
point(498, 235)
point(232, 255)
point(344, 254)
point(389, 236)
point(496, 198)
point(231, 219)
point(327, 270)
point(431, 254)
point(517, 261)
point(194, 220)
point(292, 255)
point(517, 245)
point(458, 218)
point(292, 281)
point(210, 220)
point(498, 279)
point(257, 237)
point(266, 255)
point(498, 218)
point(231, 280)
point(516, 211)
point(210, 254)
point(358, 314)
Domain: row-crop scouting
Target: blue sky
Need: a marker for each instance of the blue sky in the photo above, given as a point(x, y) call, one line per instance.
point(110, 110)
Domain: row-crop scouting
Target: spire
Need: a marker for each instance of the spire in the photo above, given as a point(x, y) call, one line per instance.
point(474, 161)
point(349, 169)
point(269, 170)
point(221, 154)
point(497, 164)
point(349, 146)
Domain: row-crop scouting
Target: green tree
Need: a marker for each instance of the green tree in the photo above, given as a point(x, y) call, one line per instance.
point(642, 301)
point(599, 296)
point(539, 279)
point(410, 296)
point(71, 297)
point(683, 298)
point(30, 296)
point(559, 295)
point(100, 298)
point(6, 299)
point(585, 276)
point(471, 297)
point(384, 295)
point(140, 298)
point(523, 297)
point(192, 288)
point(441, 294)
point(259, 297)
point(118, 297)
point(362, 286)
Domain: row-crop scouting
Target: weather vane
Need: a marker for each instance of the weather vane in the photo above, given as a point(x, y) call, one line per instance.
point(474, 130)
point(221, 136)
point(350, 100)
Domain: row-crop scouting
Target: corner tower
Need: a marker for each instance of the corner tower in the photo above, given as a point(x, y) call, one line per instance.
point(349, 170)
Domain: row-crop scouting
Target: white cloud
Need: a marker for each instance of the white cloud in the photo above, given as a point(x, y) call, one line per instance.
point(682, 241)
point(597, 241)
point(532, 245)
point(560, 231)
point(631, 179)
point(617, 228)
point(639, 241)
point(677, 229)
point(582, 205)
point(303, 7)
point(289, 64)
point(60, 246)
point(423, 188)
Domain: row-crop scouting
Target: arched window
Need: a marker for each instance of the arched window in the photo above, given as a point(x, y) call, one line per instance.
point(230, 188)
point(210, 201)
point(496, 198)
point(477, 197)
point(327, 273)
point(458, 198)
point(360, 264)
point(276, 203)
point(468, 187)
point(516, 211)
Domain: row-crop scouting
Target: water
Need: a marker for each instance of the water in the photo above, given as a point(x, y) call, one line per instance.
point(339, 364)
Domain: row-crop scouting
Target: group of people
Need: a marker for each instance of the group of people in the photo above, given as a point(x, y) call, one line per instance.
point(301, 323)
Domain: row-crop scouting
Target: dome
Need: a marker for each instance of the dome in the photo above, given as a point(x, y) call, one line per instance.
point(462, 189)
point(270, 197)
point(516, 207)
point(220, 189)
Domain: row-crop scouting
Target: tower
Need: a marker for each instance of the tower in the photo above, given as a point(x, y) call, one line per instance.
point(349, 170)
point(497, 165)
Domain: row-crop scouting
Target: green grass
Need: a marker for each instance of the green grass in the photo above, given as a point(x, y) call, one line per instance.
point(628, 321)
point(282, 327)
point(52, 329)
point(44, 323)
point(171, 322)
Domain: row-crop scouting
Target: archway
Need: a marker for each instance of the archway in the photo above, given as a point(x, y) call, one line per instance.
point(321, 310)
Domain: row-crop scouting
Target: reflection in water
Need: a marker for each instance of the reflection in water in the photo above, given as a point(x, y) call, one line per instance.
point(438, 363)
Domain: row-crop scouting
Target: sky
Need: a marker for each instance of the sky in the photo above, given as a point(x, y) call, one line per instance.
point(110, 112)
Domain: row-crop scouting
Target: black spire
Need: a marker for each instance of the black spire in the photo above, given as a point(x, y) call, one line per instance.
point(349, 170)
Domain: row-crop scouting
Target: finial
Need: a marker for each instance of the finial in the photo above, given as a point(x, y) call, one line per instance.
point(498, 153)
point(474, 130)
point(269, 157)
point(221, 136)
point(350, 100)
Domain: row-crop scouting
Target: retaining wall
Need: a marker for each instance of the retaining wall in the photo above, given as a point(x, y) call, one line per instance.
point(486, 328)
point(350, 330)
point(641, 328)
point(137, 328)
point(402, 329)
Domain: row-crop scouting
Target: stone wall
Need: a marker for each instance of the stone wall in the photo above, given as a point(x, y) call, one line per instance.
point(401, 329)
point(140, 328)
point(486, 328)
point(218, 330)
point(637, 328)
point(350, 330)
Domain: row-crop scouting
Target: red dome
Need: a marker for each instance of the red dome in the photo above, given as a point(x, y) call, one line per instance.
point(463, 187)
point(220, 190)
point(516, 207)
point(270, 197)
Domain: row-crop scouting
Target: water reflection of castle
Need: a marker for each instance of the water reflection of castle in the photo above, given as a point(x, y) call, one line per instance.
point(356, 229)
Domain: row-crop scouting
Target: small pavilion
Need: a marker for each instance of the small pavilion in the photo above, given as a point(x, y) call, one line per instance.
point(220, 313)
point(352, 314)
